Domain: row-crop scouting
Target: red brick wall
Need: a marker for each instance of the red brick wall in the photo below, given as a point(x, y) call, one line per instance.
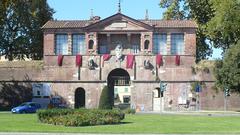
point(48, 46)
point(190, 43)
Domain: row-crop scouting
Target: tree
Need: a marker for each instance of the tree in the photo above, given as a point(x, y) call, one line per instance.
point(199, 10)
point(227, 71)
point(173, 9)
point(41, 13)
point(202, 12)
point(224, 28)
point(105, 99)
point(21, 22)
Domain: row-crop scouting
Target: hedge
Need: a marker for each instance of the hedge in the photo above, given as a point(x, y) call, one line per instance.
point(80, 117)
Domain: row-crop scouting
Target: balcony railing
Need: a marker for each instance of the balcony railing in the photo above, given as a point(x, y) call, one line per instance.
point(121, 80)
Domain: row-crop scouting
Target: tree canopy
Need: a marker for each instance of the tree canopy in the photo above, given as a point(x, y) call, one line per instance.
point(227, 72)
point(224, 28)
point(20, 26)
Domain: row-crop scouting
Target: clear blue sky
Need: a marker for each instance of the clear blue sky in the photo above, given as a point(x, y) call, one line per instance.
point(81, 10)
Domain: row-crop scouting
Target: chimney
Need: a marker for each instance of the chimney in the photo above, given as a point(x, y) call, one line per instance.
point(96, 18)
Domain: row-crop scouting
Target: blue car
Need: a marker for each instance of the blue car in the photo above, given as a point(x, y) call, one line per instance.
point(27, 107)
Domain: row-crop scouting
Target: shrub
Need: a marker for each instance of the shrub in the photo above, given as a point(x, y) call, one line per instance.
point(130, 111)
point(80, 117)
point(105, 99)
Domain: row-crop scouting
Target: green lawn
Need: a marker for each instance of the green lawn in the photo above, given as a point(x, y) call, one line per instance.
point(144, 123)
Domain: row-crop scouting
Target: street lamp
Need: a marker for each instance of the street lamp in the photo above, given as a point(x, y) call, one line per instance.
point(226, 94)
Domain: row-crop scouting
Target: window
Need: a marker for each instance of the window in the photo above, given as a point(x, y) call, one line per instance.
point(61, 44)
point(103, 49)
point(126, 89)
point(90, 44)
point(116, 90)
point(78, 44)
point(135, 49)
point(177, 43)
point(126, 99)
point(38, 93)
point(135, 43)
point(160, 44)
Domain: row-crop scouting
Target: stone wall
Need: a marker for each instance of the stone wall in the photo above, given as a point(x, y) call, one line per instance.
point(64, 81)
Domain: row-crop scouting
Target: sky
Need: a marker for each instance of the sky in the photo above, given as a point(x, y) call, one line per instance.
point(81, 10)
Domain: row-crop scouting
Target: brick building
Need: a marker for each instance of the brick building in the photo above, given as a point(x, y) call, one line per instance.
point(126, 55)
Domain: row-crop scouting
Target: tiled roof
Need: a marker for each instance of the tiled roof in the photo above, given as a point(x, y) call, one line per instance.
point(171, 23)
point(156, 23)
point(66, 24)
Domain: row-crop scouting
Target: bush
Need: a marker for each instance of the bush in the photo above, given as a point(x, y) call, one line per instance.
point(80, 117)
point(130, 111)
point(105, 99)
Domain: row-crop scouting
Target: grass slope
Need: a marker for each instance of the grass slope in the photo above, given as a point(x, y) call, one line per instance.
point(148, 123)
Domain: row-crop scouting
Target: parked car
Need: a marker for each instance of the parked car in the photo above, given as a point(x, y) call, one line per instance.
point(27, 107)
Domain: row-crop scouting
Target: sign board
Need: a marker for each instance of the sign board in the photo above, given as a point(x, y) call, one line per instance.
point(198, 88)
point(182, 100)
point(41, 89)
point(119, 25)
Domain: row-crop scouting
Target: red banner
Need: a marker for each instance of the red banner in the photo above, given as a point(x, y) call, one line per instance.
point(60, 59)
point(78, 60)
point(159, 60)
point(130, 61)
point(106, 57)
point(177, 60)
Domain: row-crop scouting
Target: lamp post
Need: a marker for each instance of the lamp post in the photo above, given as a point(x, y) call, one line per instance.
point(226, 94)
point(198, 89)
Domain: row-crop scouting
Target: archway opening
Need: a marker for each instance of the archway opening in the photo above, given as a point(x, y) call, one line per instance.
point(119, 87)
point(79, 98)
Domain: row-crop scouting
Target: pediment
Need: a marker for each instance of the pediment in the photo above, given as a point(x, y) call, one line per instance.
point(119, 22)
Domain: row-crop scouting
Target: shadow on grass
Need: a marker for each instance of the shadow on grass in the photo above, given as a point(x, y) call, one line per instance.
point(123, 123)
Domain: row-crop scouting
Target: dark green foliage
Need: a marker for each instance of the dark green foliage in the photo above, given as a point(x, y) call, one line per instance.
point(224, 28)
point(105, 99)
point(14, 94)
point(129, 111)
point(20, 28)
point(227, 71)
point(80, 117)
point(173, 9)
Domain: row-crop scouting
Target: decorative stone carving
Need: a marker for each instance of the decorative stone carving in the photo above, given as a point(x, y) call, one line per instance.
point(118, 51)
point(91, 64)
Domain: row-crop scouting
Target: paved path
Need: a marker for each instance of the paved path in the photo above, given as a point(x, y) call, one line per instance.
point(6, 133)
point(196, 113)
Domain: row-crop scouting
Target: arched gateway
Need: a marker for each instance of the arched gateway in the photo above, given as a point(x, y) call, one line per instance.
point(79, 98)
point(119, 84)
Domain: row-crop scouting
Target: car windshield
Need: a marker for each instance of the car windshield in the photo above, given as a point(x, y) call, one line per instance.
point(23, 104)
